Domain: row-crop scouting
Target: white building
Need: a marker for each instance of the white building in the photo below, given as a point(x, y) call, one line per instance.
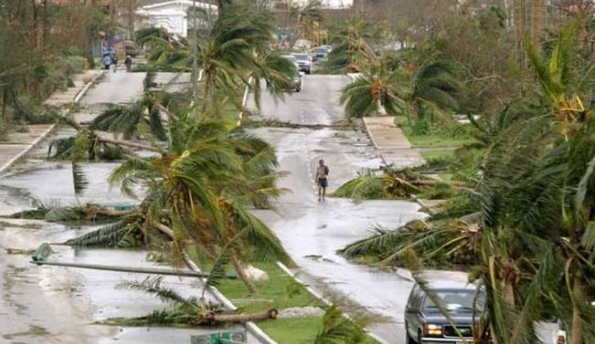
point(173, 15)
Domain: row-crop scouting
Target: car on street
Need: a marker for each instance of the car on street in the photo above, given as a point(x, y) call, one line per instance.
point(304, 62)
point(319, 53)
point(426, 323)
point(292, 59)
point(327, 47)
point(298, 81)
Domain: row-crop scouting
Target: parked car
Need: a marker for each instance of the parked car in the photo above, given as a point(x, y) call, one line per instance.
point(425, 322)
point(319, 53)
point(327, 47)
point(304, 62)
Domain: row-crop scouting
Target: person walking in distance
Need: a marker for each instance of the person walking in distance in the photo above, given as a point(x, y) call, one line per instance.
point(128, 63)
point(321, 179)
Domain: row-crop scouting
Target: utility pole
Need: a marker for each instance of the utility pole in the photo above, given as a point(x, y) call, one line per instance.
point(194, 53)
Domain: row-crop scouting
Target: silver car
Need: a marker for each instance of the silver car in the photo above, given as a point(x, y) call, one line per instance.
point(304, 62)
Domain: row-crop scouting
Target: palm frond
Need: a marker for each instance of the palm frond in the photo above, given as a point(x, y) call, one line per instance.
point(119, 234)
point(217, 273)
point(337, 329)
point(152, 286)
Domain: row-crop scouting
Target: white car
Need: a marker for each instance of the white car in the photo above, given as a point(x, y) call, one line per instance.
point(304, 62)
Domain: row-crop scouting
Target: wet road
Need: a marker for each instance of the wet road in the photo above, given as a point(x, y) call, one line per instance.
point(312, 231)
point(58, 305)
point(115, 88)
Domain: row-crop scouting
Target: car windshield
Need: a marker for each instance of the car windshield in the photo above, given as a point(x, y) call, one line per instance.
point(456, 301)
point(320, 51)
point(301, 56)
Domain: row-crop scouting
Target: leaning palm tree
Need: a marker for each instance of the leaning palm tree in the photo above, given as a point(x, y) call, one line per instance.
point(198, 191)
point(306, 17)
point(227, 54)
point(436, 84)
point(377, 89)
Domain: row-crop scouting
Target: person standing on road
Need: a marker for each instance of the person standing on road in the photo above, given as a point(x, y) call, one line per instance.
point(321, 179)
point(128, 63)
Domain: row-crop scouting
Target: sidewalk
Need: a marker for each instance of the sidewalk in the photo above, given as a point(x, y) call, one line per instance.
point(392, 145)
point(18, 144)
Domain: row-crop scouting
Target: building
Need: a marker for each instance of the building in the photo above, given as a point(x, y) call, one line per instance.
point(173, 15)
point(326, 4)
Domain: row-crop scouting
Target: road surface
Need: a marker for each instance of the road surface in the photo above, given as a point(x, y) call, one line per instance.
point(313, 231)
point(44, 304)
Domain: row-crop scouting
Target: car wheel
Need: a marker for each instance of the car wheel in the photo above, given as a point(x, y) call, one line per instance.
point(308, 72)
point(408, 339)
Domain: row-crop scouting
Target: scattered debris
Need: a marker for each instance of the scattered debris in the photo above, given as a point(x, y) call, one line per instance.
point(255, 274)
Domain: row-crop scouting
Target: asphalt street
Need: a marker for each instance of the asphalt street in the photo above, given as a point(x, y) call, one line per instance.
point(47, 304)
point(313, 231)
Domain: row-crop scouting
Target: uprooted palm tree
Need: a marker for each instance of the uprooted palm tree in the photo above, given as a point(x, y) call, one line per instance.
point(392, 183)
point(182, 311)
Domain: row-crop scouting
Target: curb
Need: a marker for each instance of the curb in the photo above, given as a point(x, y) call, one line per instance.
point(250, 326)
point(46, 133)
point(28, 149)
point(323, 299)
point(84, 90)
point(374, 143)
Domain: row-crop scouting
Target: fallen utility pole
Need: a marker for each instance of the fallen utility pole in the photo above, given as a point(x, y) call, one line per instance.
point(39, 257)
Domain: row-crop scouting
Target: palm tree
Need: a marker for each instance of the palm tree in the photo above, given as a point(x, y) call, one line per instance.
point(307, 17)
point(436, 84)
point(199, 188)
point(533, 214)
point(377, 89)
point(167, 51)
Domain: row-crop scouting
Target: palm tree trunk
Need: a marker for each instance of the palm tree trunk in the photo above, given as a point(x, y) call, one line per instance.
point(237, 264)
point(577, 332)
point(508, 293)
point(241, 318)
point(127, 143)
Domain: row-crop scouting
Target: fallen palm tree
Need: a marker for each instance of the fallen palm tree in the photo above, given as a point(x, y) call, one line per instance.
point(450, 237)
point(397, 184)
point(184, 311)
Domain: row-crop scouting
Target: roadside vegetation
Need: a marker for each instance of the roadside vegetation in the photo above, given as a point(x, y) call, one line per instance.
point(516, 182)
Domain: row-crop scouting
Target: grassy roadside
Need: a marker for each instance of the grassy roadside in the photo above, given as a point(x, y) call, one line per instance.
point(281, 291)
point(424, 135)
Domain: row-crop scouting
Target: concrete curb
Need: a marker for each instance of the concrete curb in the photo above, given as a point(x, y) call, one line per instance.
point(250, 326)
point(323, 299)
point(84, 90)
point(27, 150)
point(46, 133)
